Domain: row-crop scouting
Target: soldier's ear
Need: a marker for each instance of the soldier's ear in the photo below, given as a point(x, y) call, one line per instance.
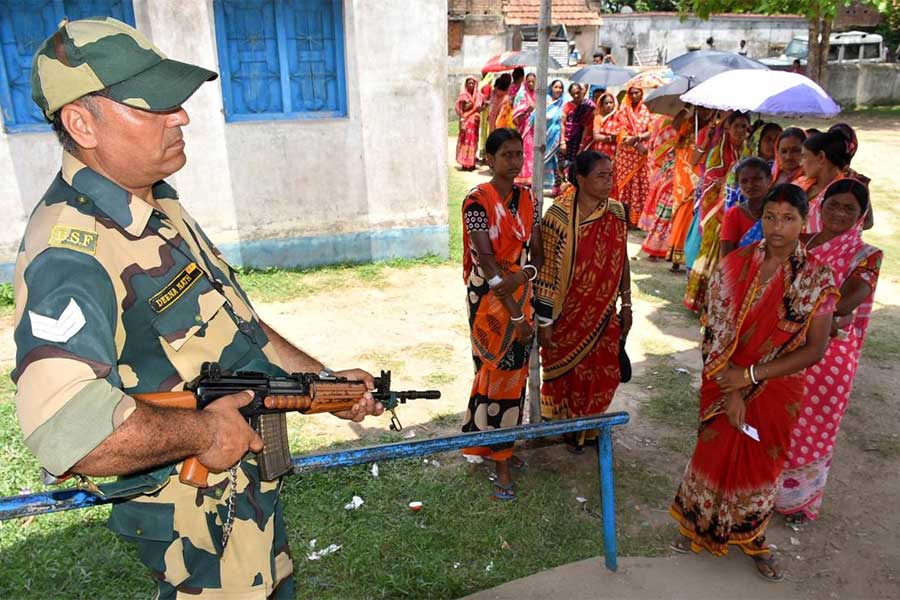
point(81, 124)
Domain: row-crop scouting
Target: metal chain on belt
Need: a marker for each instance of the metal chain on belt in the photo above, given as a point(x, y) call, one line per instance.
point(232, 499)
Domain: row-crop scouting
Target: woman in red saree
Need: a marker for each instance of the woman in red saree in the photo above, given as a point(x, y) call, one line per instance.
point(768, 317)
point(633, 130)
point(718, 180)
point(502, 255)
point(468, 109)
point(829, 382)
point(604, 128)
point(585, 236)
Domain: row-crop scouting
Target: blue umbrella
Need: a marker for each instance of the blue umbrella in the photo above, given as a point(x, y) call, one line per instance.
point(603, 76)
point(700, 65)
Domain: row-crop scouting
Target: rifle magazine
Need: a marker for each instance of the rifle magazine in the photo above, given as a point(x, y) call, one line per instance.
point(275, 458)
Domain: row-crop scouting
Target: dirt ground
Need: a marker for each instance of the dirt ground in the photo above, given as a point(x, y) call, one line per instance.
point(413, 321)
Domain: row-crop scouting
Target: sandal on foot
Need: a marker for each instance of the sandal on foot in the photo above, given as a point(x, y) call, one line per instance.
point(681, 545)
point(796, 519)
point(504, 492)
point(767, 567)
point(575, 448)
point(517, 463)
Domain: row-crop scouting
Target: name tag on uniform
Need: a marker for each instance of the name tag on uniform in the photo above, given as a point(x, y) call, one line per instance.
point(181, 283)
point(74, 238)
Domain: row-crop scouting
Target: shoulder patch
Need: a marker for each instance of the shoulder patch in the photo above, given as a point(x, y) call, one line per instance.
point(74, 238)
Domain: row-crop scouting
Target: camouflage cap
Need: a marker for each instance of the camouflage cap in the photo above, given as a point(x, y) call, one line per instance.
point(98, 53)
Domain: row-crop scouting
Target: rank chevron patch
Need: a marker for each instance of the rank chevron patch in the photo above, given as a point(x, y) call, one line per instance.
point(58, 330)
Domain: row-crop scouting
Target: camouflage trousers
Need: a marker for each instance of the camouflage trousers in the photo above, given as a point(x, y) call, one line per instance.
point(178, 533)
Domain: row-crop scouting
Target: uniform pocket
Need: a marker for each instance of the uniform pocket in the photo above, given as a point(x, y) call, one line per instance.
point(189, 315)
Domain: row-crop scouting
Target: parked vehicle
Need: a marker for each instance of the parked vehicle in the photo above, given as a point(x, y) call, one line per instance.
point(845, 47)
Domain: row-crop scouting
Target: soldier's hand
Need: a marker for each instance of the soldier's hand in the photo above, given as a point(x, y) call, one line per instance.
point(366, 404)
point(231, 435)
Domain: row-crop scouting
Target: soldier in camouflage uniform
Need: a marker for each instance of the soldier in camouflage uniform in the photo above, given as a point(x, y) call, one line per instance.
point(119, 292)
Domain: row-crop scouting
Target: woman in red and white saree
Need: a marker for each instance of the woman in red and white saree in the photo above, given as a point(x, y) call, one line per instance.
point(767, 319)
point(829, 382)
point(632, 175)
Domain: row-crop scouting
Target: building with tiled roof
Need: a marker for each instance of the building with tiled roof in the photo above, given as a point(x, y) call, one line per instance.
point(572, 13)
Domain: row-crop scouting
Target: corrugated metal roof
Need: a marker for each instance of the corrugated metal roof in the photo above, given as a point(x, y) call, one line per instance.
point(565, 12)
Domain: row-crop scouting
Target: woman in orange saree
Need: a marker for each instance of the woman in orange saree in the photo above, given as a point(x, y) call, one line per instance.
point(684, 175)
point(633, 130)
point(468, 109)
point(604, 128)
point(768, 318)
point(662, 187)
point(585, 235)
point(502, 254)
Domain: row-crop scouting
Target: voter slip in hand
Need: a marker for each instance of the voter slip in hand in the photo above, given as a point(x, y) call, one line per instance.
point(750, 431)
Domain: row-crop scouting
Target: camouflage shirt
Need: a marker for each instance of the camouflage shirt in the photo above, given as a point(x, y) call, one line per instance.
point(113, 298)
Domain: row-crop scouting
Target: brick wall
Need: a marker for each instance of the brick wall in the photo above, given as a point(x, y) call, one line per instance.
point(474, 7)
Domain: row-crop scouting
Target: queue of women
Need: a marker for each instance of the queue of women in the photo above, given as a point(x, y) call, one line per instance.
point(768, 225)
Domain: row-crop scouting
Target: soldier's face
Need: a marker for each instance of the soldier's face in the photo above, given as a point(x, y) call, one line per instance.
point(137, 148)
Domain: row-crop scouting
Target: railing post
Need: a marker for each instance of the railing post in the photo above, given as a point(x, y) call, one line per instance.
point(607, 497)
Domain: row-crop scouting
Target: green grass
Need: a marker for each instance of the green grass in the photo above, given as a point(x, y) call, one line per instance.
point(457, 189)
point(6, 299)
point(672, 402)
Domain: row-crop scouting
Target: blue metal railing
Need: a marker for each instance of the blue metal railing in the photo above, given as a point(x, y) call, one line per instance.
point(27, 505)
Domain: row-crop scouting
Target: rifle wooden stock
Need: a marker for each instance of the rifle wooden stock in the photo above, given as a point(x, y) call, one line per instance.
point(327, 397)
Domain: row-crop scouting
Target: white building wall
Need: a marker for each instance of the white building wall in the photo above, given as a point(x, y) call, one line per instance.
point(670, 35)
point(303, 192)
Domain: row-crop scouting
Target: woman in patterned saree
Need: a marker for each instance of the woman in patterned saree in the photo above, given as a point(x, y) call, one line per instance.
point(718, 188)
point(468, 109)
point(830, 382)
point(585, 273)
point(768, 317)
point(522, 116)
point(633, 130)
point(662, 186)
point(502, 254)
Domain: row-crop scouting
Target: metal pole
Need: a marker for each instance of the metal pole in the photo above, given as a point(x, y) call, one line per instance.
point(607, 498)
point(537, 185)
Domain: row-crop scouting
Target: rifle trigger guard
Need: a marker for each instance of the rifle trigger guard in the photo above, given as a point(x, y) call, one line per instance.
point(395, 422)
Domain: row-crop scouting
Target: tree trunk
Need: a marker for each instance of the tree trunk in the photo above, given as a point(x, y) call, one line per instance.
point(817, 55)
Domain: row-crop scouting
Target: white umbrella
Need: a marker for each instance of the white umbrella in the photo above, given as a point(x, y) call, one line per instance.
point(765, 92)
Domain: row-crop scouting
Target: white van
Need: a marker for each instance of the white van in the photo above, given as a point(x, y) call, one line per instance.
point(845, 47)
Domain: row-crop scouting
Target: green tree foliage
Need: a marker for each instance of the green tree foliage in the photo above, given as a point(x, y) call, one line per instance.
point(819, 13)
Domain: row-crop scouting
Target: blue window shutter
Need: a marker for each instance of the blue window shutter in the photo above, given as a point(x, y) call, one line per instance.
point(251, 57)
point(24, 24)
point(117, 9)
point(315, 54)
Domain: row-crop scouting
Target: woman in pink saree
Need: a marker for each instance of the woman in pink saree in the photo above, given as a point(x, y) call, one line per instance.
point(830, 382)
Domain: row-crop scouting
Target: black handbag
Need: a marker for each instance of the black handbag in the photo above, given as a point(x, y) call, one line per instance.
point(624, 362)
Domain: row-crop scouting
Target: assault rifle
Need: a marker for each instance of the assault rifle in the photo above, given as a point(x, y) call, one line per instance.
point(306, 393)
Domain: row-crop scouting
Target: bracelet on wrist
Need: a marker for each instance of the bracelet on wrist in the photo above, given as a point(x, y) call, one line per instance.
point(494, 281)
point(518, 319)
point(625, 305)
point(752, 372)
point(533, 276)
